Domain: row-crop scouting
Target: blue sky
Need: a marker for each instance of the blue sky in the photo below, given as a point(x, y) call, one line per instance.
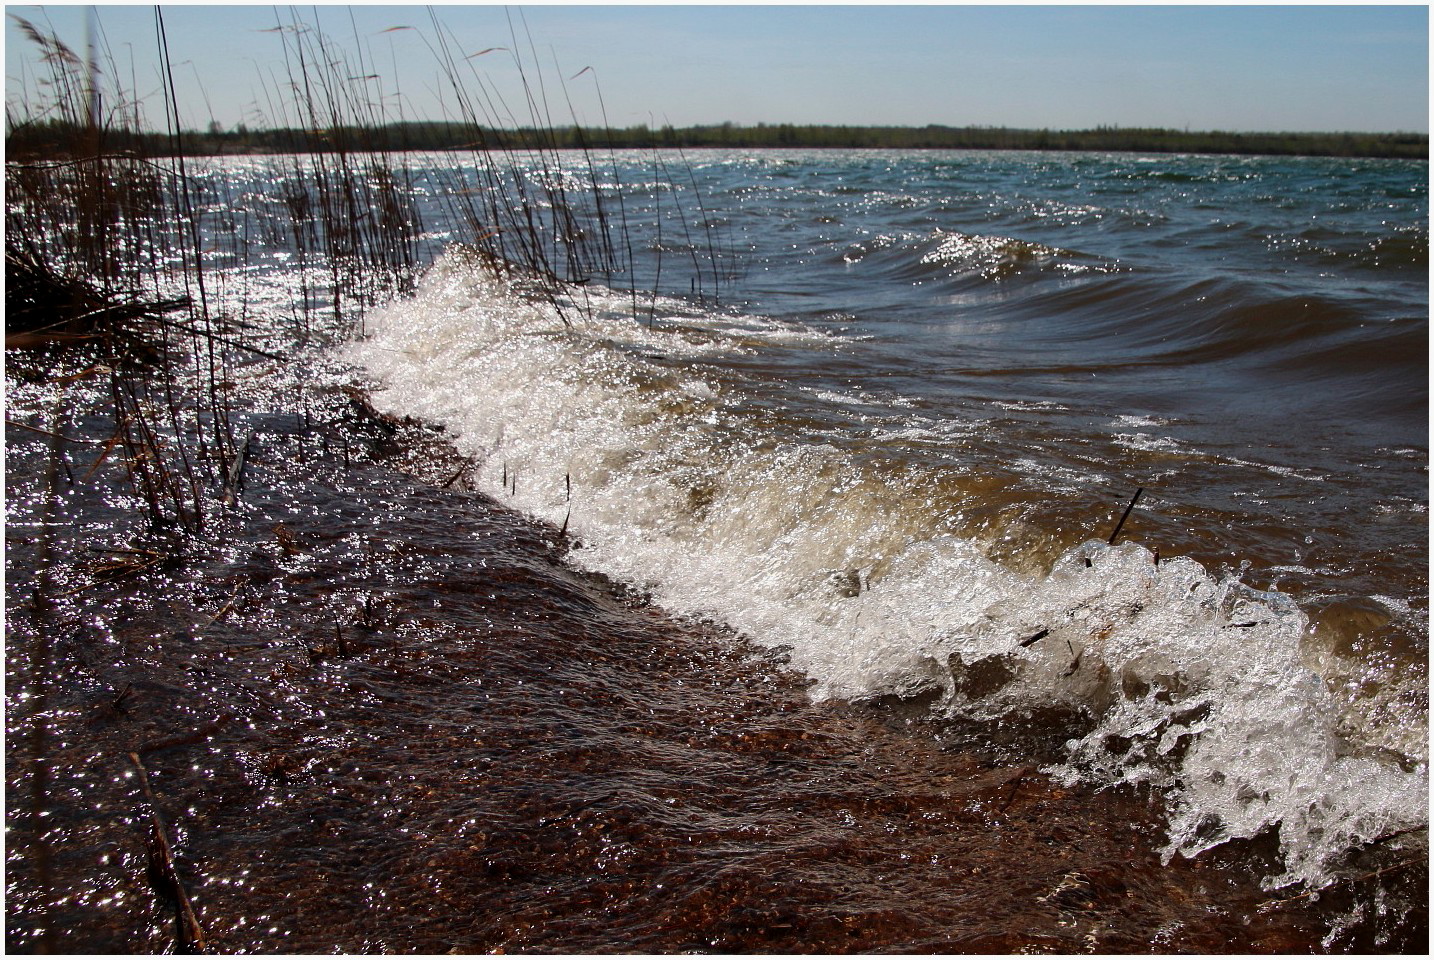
point(1325, 68)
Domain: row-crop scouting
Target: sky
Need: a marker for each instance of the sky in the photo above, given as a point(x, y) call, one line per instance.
point(1071, 66)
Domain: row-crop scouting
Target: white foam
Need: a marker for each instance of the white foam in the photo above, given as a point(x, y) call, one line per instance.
point(1139, 420)
point(1029, 406)
point(1149, 444)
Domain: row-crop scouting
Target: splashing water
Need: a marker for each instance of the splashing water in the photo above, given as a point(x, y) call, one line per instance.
point(678, 468)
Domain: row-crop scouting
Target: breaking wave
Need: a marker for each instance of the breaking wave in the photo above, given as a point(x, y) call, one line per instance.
point(728, 500)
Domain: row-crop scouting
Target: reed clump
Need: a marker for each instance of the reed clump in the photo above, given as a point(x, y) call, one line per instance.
point(100, 258)
point(46, 309)
point(113, 231)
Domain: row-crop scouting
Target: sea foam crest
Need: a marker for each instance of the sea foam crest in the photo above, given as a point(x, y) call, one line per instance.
point(1192, 683)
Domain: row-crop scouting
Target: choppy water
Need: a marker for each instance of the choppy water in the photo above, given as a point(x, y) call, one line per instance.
point(897, 446)
point(888, 453)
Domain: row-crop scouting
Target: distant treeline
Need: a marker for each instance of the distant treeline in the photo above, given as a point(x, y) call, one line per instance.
point(47, 139)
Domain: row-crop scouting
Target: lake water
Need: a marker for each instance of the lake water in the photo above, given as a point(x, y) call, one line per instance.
point(881, 428)
point(897, 446)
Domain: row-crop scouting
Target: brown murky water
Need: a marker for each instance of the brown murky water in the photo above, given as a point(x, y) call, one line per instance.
point(382, 716)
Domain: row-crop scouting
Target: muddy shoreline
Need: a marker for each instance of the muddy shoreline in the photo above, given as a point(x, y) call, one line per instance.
point(380, 715)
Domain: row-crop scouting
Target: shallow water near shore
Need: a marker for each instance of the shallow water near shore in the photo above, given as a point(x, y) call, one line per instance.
point(387, 717)
point(785, 621)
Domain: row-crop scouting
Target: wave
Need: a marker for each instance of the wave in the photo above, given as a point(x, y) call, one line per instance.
point(1371, 351)
point(1403, 248)
point(682, 477)
point(954, 258)
point(1124, 314)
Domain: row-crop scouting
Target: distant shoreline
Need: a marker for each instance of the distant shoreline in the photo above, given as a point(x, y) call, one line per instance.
point(43, 140)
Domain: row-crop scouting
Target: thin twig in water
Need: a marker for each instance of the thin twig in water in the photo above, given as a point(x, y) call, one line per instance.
point(190, 935)
point(236, 472)
point(1125, 516)
point(25, 426)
